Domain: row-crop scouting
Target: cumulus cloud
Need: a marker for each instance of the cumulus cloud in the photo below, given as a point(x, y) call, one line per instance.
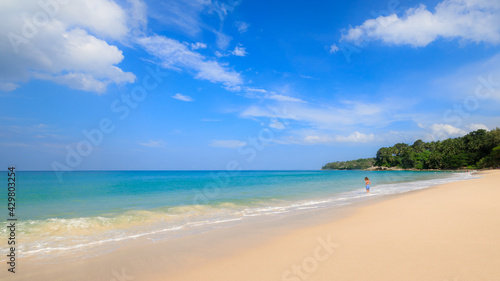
point(198, 45)
point(467, 20)
point(442, 131)
point(475, 127)
point(182, 97)
point(227, 143)
point(239, 51)
point(174, 55)
point(334, 48)
point(65, 43)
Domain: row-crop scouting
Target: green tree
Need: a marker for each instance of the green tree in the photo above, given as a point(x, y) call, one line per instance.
point(480, 148)
point(495, 155)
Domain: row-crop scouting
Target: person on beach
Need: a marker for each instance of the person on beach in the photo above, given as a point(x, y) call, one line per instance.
point(368, 182)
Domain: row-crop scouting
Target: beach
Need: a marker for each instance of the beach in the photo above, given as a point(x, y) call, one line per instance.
point(237, 140)
point(447, 232)
point(450, 232)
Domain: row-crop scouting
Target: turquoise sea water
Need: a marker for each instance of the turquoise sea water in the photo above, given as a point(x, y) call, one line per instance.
point(89, 209)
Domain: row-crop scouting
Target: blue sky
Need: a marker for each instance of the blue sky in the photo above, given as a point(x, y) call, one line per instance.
point(250, 84)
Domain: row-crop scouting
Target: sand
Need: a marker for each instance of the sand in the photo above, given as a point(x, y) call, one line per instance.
point(449, 233)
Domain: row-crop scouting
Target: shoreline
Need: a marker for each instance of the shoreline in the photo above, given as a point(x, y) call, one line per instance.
point(110, 231)
point(240, 246)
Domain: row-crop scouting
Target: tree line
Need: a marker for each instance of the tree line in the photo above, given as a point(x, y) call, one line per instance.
point(358, 164)
point(477, 149)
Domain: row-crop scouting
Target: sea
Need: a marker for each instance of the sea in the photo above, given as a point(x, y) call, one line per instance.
point(100, 209)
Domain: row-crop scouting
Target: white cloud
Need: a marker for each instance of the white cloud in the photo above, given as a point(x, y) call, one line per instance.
point(475, 127)
point(324, 117)
point(334, 48)
point(198, 45)
point(175, 55)
point(249, 89)
point(233, 88)
point(154, 144)
point(182, 97)
point(308, 77)
point(275, 124)
point(222, 40)
point(138, 16)
point(242, 26)
point(239, 51)
point(315, 137)
point(282, 98)
point(8, 86)
point(220, 55)
point(256, 93)
point(66, 43)
point(443, 131)
point(467, 20)
point(181, 15)
point(227, 143)
point(355, 137)
point(187, 17)
point(310, 123)
point(223, 9)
